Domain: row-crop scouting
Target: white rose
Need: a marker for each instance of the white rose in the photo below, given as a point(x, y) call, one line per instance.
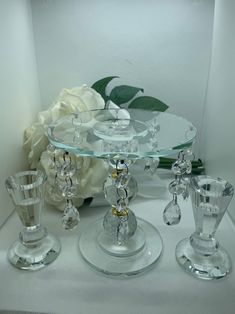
point(92, 171)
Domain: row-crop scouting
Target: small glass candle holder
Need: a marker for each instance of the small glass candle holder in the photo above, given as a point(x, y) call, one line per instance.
point(201, 254)
point(35, 247)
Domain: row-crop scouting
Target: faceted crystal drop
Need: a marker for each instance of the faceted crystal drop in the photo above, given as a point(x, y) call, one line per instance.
point(70, 217)
point(172, 214)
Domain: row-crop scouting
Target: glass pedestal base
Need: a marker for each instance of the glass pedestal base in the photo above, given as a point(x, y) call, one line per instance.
point(37, 256)
point(209, 267)
point(139, 253)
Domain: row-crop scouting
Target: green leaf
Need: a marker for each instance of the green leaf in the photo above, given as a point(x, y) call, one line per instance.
point(123, 93)
point(100, 86)
point(148, 103)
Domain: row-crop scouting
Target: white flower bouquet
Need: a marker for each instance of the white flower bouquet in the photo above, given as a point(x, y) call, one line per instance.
point(92, 172)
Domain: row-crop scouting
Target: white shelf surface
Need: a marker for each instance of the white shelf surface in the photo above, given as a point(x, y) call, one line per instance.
point(69, 286)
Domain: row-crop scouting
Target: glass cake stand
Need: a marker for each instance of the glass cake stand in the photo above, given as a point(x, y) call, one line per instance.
point(121, 244)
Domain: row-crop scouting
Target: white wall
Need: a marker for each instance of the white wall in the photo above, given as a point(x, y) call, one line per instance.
point(219, 123)
point(19, 96)
point(163, 46)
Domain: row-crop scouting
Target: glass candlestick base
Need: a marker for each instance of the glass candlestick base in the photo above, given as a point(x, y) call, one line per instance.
point(202, 266)
point(137, 255)
point(35, 255)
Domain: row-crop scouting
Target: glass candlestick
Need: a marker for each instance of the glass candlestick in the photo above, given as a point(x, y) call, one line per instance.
point(201, 255)
point(35, 247)
point(119, 223)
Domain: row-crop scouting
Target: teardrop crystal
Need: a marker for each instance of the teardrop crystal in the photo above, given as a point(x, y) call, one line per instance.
point(172, 214)
point(70, 218)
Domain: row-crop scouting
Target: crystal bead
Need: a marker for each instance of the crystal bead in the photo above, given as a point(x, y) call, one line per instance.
point(189, 167)
point(69, 191)
point(172, 214)
point(122, 193)
point(110, 190)
point(67, 171)
point(177, 187)
point(151, 165)
point(122, 179)
point(188, 153)
point(180, 167)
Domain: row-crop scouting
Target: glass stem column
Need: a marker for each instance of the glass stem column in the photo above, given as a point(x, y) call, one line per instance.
point(120, 244)
point(119, 222)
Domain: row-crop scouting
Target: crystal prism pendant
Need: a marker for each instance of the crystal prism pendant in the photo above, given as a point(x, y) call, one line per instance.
point(70, 218)
point(172, 213)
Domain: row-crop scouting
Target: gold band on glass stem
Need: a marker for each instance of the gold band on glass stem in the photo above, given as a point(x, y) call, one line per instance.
point(121, 213)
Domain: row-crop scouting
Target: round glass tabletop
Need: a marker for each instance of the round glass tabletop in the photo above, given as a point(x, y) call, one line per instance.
point(132, 133)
